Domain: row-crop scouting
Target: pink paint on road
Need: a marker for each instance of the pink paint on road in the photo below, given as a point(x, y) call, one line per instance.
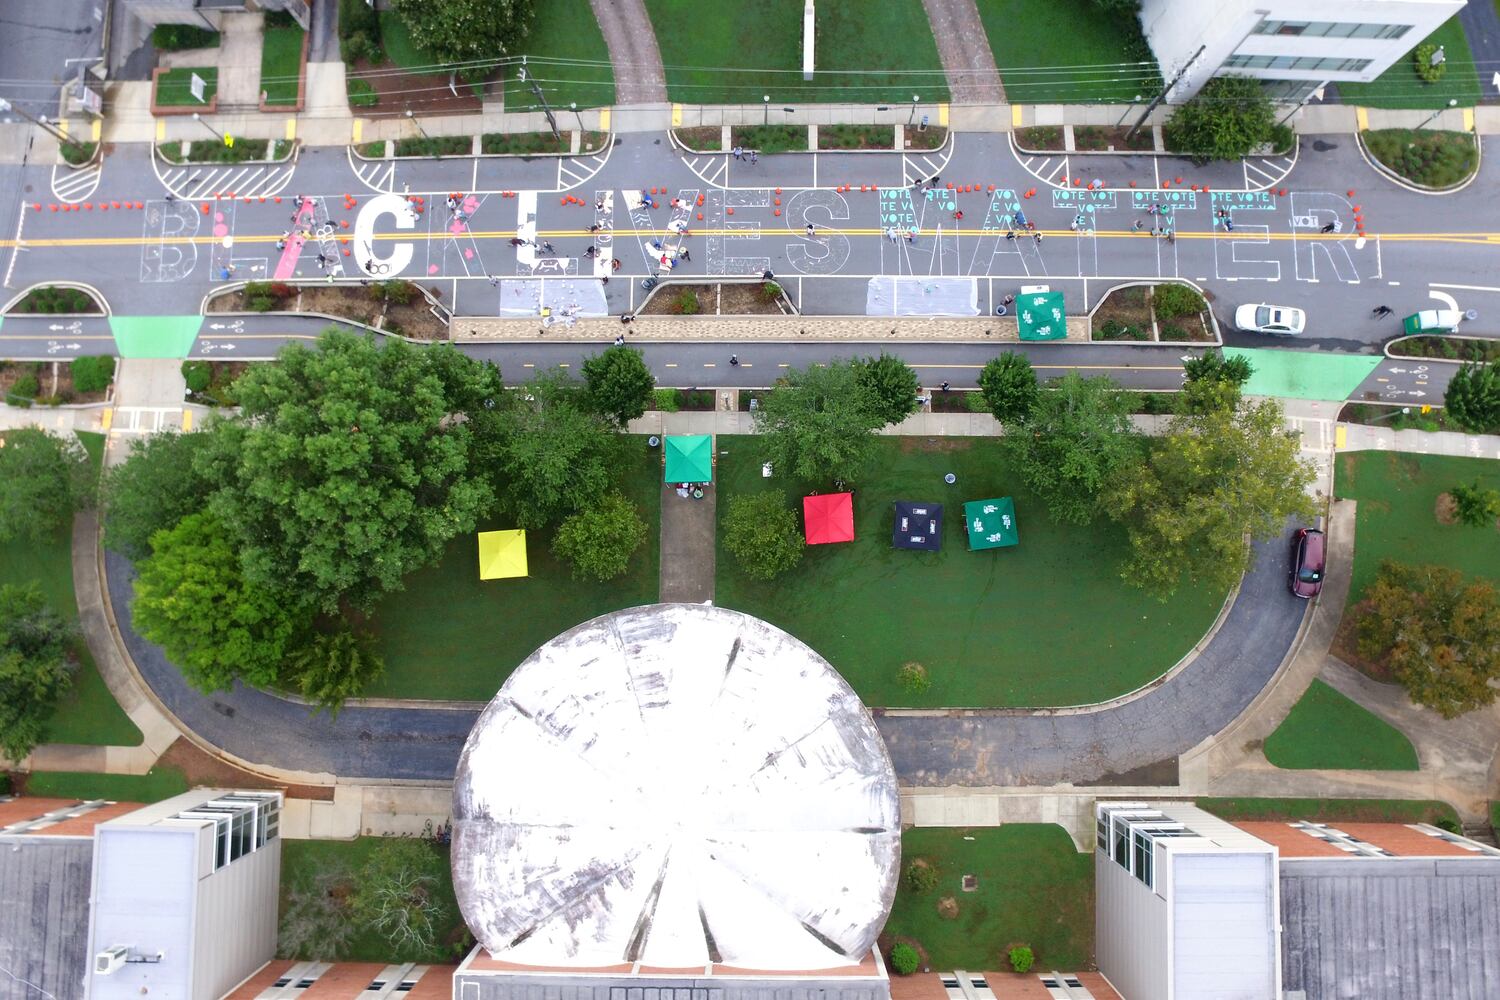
point(287, 265)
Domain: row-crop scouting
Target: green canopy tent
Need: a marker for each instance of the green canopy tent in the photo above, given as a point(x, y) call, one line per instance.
point(1040, 316)
point(991, 524)
point(690, 459)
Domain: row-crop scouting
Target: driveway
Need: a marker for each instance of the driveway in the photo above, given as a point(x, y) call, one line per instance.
point(977, 749)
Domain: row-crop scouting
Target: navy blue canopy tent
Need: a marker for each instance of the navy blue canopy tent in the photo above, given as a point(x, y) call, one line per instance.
point(918, 526)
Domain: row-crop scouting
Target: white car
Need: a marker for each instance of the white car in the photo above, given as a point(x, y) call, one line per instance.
point(1262, 318)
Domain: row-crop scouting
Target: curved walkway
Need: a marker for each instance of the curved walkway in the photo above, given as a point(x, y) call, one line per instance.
point(423, 743)
point(633, 52)
point(964, 49)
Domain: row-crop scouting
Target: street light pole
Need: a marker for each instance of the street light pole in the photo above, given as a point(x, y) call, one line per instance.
point(1394, 413)
point(42, 122)
point(1128, 110)
point(1452, 103)
point(913, 116)
point(766, 103)
point(413, 119)
point(573, 106)
point(216, 133)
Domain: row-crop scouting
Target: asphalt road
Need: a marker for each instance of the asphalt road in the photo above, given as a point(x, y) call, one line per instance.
point(162, 259)
point(983, 749)
point(40, 39)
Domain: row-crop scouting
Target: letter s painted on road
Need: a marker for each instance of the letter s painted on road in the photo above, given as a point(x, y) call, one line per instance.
point(364, 235)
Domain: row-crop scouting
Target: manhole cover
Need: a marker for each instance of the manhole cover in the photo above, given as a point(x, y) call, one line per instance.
point(971, 883)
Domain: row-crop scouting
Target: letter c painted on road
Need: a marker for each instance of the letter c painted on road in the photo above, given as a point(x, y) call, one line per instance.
point(364, 235)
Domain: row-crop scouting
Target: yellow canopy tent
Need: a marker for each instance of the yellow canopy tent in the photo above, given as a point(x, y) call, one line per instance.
point(502, 554)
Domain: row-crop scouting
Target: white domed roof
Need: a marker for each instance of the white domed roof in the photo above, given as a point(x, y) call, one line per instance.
point(676, 785)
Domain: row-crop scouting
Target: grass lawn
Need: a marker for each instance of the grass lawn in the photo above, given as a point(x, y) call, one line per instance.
point(867, 53)
point(1400, 87)
point(1332, 810)
point(1063, 51)
point(1045, 623)
point(1436, 159)
point(174, 87)
point(1034, 888)
point(302, 860)
point(1397, 493)
point(567, 57)
point(159, 783)
point(1326, 729)
point(399, 48)
point(451, 636)
point(88, 713)
point(281, 64)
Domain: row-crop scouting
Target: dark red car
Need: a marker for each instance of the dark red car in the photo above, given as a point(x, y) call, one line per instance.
point(1306, 577)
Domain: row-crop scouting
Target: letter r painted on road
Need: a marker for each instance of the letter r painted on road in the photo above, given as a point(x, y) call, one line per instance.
point(364, 235)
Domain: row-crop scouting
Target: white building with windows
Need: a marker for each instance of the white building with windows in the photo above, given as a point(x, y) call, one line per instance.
point(184, 896)
point(1297, 44)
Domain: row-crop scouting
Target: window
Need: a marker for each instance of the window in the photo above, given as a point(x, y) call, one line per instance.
point(1144, 848)
point(1101, 830)
point(1331, 29)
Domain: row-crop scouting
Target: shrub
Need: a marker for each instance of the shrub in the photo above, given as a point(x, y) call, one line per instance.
point(176, 37)
point(913, 678)
point(78, 153)
point(921, 876)
point(398, 292)
point(198, 375)
point(1112, 329)
point(1021, 958)
point(261, 303)
point(1444, 823)
point(904, 959)
point(281, 19)
point(1171, 331)
point(257, 288)
point(280, 290)
point(26, 387)
point(686, 303)
point(770, 291)
point(362, 94)
point(92, 374)
point(1422, 63)
point(1230, 117)
point(1476, 506)
point(666, 400)
point(599, 540)
point(1172, 301)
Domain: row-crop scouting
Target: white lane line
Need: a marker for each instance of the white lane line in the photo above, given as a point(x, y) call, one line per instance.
point(1466, 288)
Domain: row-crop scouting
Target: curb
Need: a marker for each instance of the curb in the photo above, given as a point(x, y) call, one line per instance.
point(90, 290)
point(353, 147)
point(1413, 186)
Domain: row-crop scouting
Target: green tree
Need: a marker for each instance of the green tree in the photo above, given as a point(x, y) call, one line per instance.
point(397, 895)
point(599, 540)
point(891, 385)
point(1079, 434)
point(1473, 398)
point(552, 455)
point(1009, 387)
point(35, 668)
point(761, 532)
point(617, 384)
point(1228, 118)
point(1439, 635)
point(818, 423)
point(192, 599)
point(1216, 476)
point(469, 35)
point(350, 465)
point(330, 667)
point(1477, 506)
point(1213, 366)
point(157, 485)
point(43, 479)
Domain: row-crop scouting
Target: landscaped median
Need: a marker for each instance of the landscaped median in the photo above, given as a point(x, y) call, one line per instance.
point(1433, 160)
point(487, 144)
point(214, 151)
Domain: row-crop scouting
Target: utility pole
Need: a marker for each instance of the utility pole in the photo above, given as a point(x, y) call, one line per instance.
point(1163, 95)
point(537, 91)
point(41, 122)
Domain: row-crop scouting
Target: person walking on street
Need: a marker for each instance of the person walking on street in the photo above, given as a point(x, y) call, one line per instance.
point(754, 157)
point(738, 153)
point(943, 387)
point(811, 231)
point(1137, 226)
point(1010, 234)
point(1328, 228)
point(1007, 300)
point(1382, 311)
point(734, 361)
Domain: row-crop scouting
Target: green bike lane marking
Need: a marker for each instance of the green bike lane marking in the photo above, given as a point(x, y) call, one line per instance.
point(1304, 374)
point(155, 336)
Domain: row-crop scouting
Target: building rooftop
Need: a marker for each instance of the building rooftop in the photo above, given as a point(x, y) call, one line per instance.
point(58, 817)
point(676, 785)
point(1392, 928)
point(1396, 839)
point(44, 915)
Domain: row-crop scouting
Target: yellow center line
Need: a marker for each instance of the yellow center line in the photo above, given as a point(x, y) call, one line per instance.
point(506, 234)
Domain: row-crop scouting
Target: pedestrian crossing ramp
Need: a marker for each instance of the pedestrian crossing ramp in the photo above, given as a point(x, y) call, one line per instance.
point(72, 185)
point(193, 181)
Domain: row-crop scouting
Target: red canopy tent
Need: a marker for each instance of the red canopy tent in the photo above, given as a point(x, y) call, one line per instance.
point(829, 517)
